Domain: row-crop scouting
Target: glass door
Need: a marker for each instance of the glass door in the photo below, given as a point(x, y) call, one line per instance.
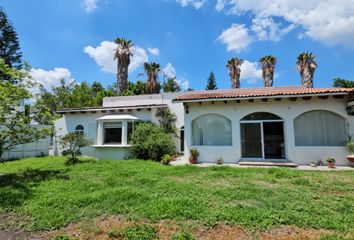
point(251, 138)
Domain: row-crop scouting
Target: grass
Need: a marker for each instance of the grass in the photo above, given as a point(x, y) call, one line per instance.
point(53, 195)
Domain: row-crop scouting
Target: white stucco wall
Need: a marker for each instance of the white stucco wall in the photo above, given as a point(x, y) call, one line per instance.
point(286, 109)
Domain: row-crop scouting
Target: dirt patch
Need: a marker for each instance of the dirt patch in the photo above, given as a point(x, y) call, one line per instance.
point(11, 229)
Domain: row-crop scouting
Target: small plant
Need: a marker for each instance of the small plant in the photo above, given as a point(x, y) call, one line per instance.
point(141, 232)
point(183, 236)
point(349, 146)
point(331, 162)
point(219, 161)
point(63, 237)
point(166, 159)
point(72, 144)
point(194, 154)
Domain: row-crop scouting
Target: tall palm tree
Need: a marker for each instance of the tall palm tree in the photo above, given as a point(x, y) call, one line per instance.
point(122, 53)
point(152, 85)
point(306, 65)
point(268, 66)
point(233, 64)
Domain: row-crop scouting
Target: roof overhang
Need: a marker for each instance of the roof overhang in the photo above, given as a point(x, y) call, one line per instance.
point(110, 109)
point(117, 117)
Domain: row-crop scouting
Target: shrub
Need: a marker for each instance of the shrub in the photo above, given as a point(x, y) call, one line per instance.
point(151, 142)
point(166, 159)
point(72, 144)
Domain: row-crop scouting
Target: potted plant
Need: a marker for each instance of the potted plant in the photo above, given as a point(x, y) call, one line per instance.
point(194, 154)
point(166, 159)
point(331, 162)
point(219, 161)
point(349, 146)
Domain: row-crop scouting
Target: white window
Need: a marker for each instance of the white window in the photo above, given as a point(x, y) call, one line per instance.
point(79, 129)
point(319, 128)
point(113, 133)
point(211, 130)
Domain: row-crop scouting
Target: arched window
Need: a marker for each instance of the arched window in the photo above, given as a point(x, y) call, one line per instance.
point(211, 130)
point(79, 129)
point(319, 128)
point(260, 116)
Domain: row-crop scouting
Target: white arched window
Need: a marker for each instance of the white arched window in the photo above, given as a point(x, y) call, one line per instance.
point(79, 129)
point(211, 130)
point(319, 128)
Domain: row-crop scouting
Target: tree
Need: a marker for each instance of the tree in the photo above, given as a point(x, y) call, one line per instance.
point(137, 88)
point(122, 53)
point(9, 45)
point(211, 82)
point(343, 83)
point(171, 85)
point(167, 120)
point(14, 123)
point(233, 64)
point(152, 86)
point(72, 144)
point(268, 66)
point(306, 65)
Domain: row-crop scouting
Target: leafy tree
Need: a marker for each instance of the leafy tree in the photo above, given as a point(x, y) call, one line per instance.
point(167, 119)
point(343, 83)
point(268, 66)
point(137, 88)
point(306, 65)
point(122, 54)
point(9, 45)
point(14, 123)
point(72, 144)
point(152, 86)
point(171, 85)
point(151, 142)
point(211, 83)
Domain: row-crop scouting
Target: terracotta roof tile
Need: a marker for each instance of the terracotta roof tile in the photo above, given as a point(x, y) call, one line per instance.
point(87, 109)
point(257, 92)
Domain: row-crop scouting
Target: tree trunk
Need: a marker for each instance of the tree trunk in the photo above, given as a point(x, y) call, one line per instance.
point(122, 78)
point(307, 78)
point(268, 77)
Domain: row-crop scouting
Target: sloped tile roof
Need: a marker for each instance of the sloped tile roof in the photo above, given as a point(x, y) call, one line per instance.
point(87, 109)
point(258, 92)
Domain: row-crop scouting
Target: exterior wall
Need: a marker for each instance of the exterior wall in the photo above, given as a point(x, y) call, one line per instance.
point(286, 109)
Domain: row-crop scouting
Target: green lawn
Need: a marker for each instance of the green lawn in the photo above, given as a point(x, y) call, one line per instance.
point(53, 194)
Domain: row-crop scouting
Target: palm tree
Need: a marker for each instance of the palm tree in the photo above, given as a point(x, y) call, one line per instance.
point(233, 64)
point(306, 65)
point(152, 85)
point(122, 53)
point(268, 66)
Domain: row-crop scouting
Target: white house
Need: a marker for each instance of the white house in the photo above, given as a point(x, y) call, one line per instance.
point(276, 124)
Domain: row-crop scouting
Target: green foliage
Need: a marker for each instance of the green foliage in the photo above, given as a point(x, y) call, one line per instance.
point(194, 153)
point(331, 160)
point(72, 144)
point(349, 145)
point(14, 123)
point(343, 83)
point(183, 236)
point(9, 45)
point(167, 120)
point(151, 142)
point(171, 85)
point(211, 83)
point(166, 159)
point(132, 89)
point(136, 232)
point(54, 195)
point(63, 237)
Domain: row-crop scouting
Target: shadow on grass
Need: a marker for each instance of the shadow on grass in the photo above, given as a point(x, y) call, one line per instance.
point(17, 187)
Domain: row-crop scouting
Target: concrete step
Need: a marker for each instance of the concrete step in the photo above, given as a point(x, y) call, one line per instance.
point(265, 163)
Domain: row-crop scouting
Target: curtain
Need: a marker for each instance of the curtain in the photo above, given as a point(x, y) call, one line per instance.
point(211, 130)
point(319, 128)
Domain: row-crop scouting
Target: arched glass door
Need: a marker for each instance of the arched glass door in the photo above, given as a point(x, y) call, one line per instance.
point(262, 136)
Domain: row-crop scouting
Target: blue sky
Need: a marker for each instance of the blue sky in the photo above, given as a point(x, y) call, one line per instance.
point(189, 38)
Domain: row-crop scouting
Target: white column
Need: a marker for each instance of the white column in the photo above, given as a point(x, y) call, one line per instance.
point(124, 133)
point(100, 133)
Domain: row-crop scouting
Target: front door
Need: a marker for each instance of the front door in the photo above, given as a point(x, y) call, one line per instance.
point(262, 140)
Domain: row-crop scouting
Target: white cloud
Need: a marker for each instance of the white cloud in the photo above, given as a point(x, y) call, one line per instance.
point(236, 37)
point(328, 21)
point(194, 3)
point(250, 71)
point(170, 72)
point(90, 5)
point(103, 55)
point(268, 29)
point(154, 51)
point(51, 78)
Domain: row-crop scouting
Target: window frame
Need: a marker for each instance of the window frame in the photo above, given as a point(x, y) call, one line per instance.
point(80, 129)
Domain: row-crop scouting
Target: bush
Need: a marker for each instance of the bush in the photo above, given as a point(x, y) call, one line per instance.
point(166, 159)
point(72, 144)
point(151, 142)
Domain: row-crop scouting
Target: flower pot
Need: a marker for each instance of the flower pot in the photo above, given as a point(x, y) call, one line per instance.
point(192, 160)
point(331, 165)
point(350, 158)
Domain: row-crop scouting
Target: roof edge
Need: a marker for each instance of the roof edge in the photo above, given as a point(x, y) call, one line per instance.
point(68, 110)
